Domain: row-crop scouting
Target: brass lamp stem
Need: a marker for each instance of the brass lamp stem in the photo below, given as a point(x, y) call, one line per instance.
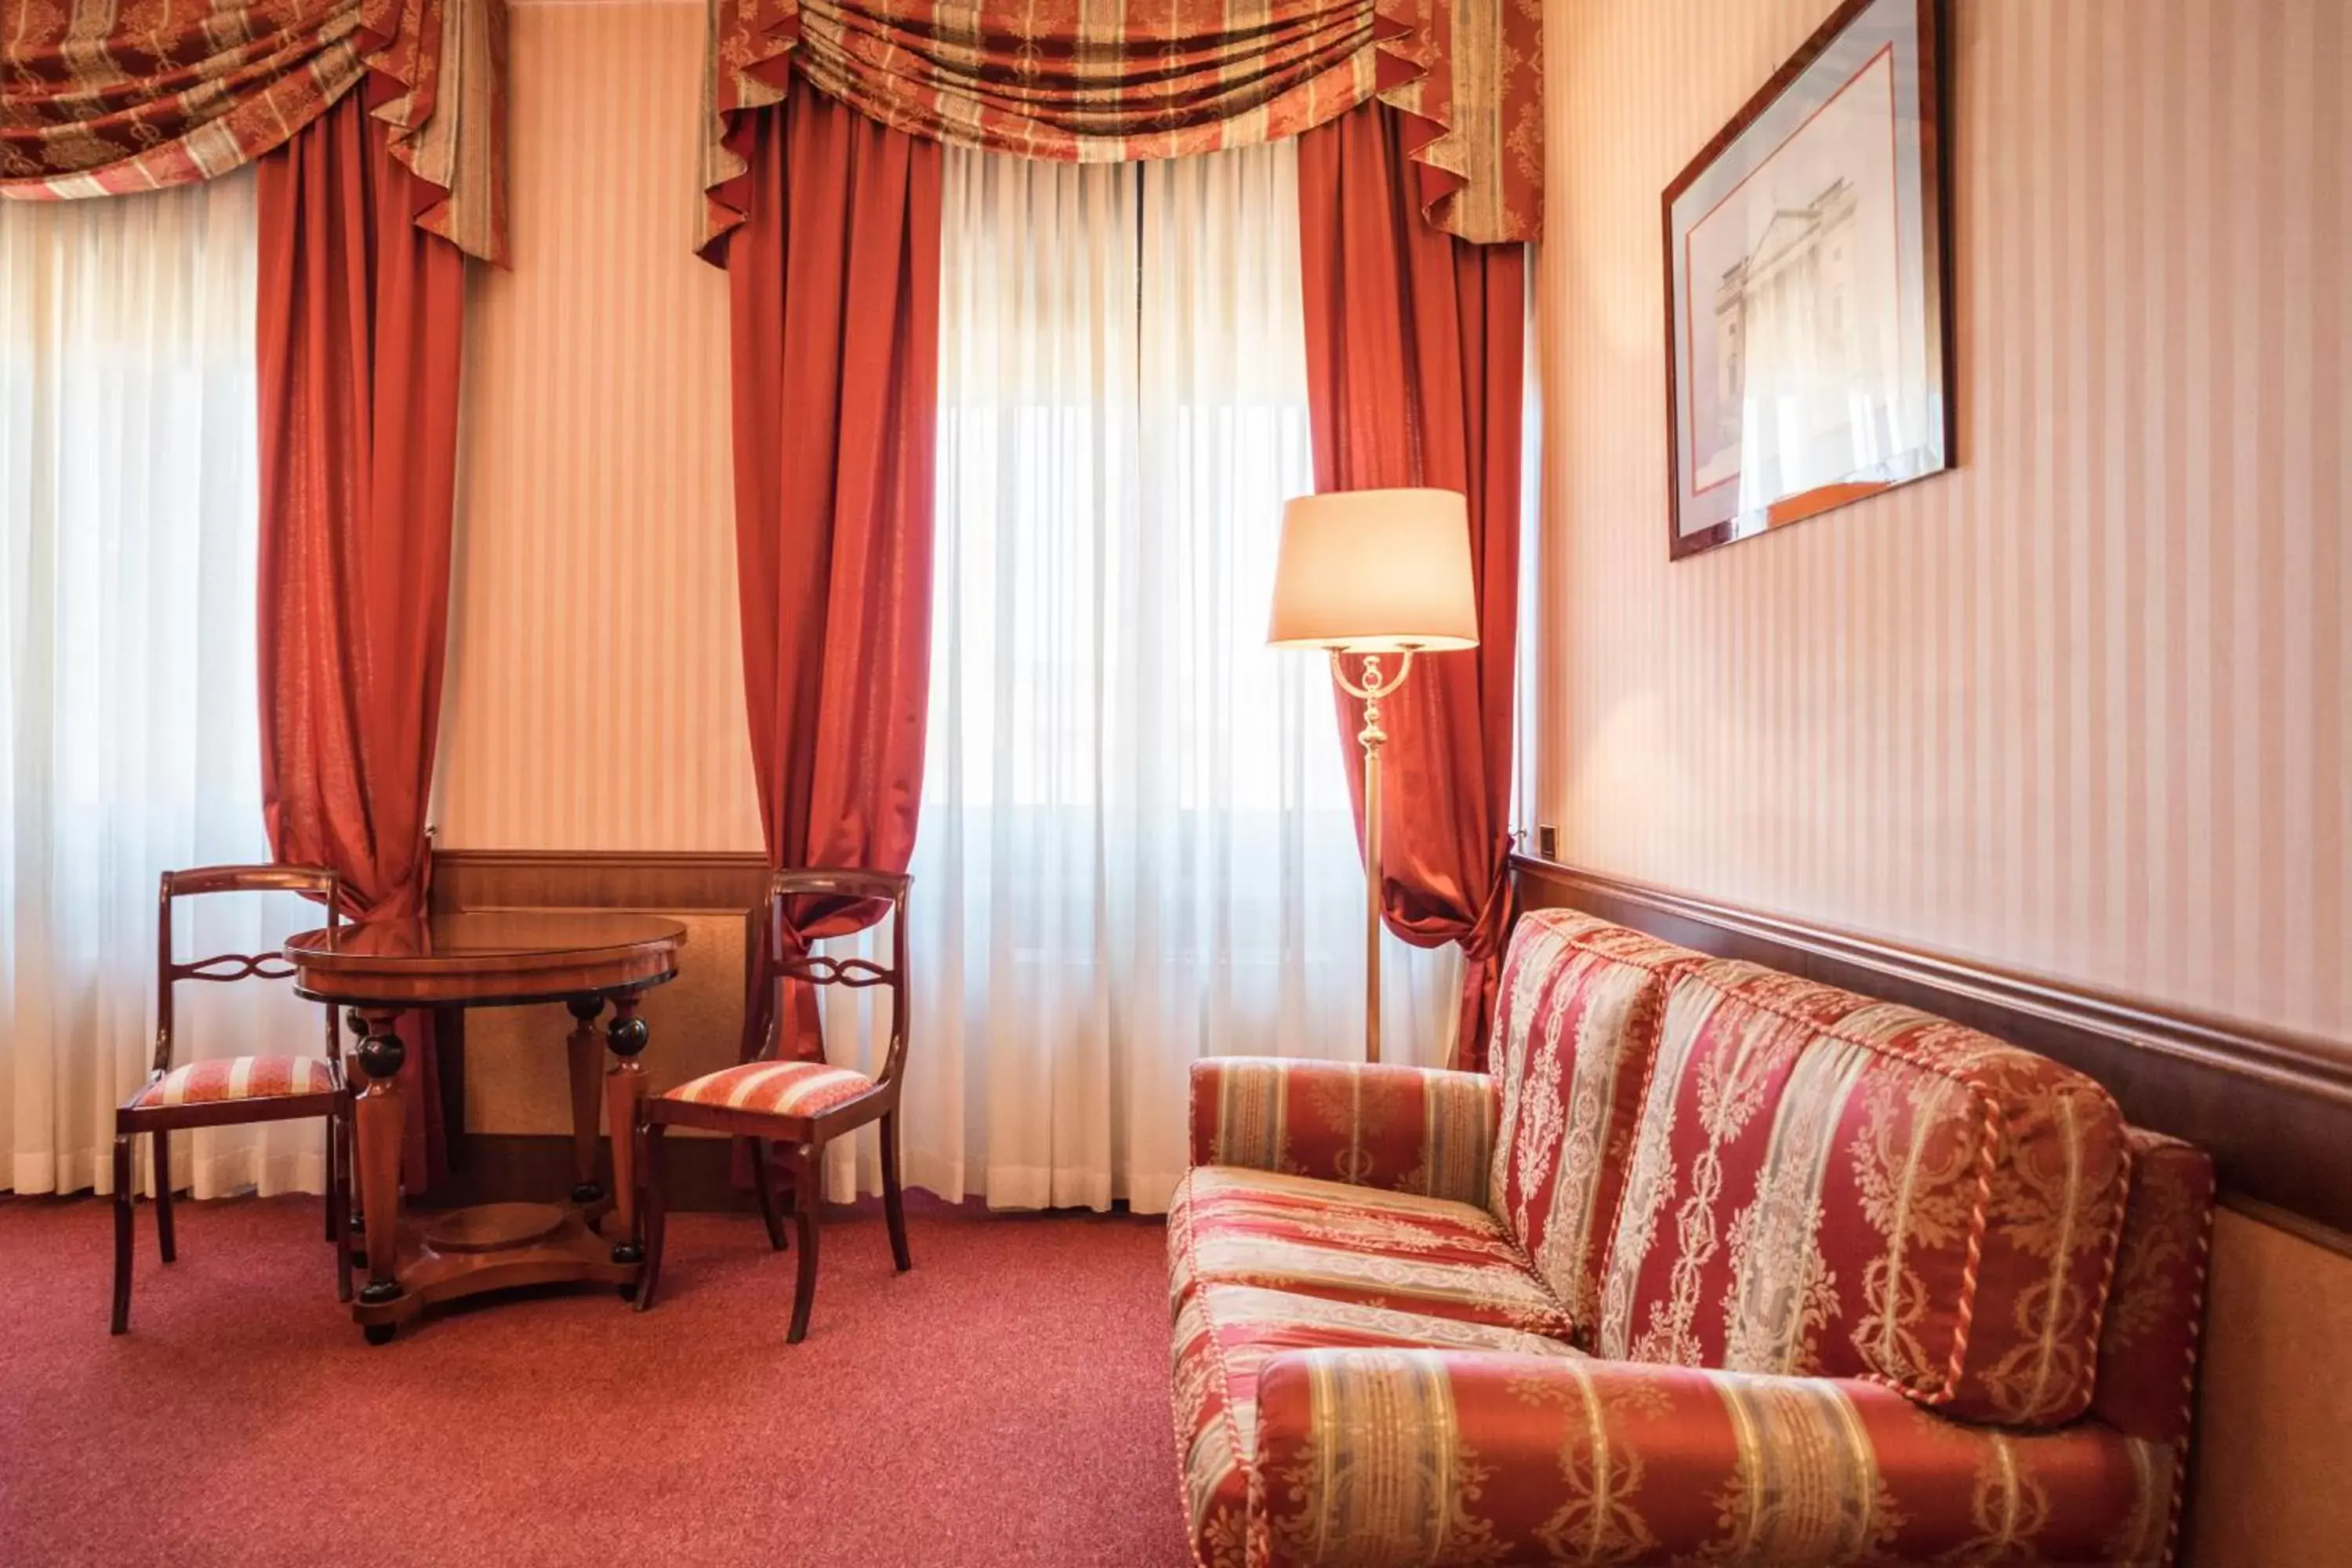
point(1373, 686)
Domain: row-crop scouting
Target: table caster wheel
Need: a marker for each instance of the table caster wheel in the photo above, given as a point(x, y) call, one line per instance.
point(379, 1333)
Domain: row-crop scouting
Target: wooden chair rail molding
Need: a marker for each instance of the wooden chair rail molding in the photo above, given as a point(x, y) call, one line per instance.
point(712, 882)
point(2274, 1108)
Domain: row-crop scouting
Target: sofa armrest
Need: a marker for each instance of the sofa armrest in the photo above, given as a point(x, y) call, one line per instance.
point(1380, 1458)
point(1403, 1128)
point(2155, 1305)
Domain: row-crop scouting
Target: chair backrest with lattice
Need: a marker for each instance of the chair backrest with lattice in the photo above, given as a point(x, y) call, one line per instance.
point(817, 969)
point(221, 967)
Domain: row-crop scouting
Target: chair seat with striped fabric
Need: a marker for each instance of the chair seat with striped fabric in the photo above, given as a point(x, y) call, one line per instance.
point(787, 1112)
point(776, 1088)
point(237, 1077)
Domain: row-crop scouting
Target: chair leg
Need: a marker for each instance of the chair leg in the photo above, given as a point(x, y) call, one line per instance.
point(806, 1165)
point(165, 1239)
point(331, 1178)
point(338, 1178)
point(653, 1208)
point(763, 1183)
point(893, 1209)
point(122, 1233)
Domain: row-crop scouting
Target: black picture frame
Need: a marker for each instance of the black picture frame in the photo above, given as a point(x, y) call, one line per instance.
point(1850, 293)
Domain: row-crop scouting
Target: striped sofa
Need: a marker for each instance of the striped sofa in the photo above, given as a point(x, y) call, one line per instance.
point(1717, 1264)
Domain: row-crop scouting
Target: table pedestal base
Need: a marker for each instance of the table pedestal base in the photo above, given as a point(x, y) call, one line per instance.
point(410, 1266)
point(496, 1246)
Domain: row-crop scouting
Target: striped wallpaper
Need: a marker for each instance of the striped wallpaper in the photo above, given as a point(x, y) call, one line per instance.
point(2084, 706)
point(596, 697)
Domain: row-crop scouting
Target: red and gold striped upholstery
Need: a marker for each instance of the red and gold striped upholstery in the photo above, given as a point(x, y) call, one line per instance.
point(2147, 1345)
point(1394, 1459)
point(1827, 1185)
point(1576, 1034)
point(1385, 1249)
point(1405, 1129)
point(1225, 1334)
point(236, 1078)
point(776, 1088)
point(1842, 1223)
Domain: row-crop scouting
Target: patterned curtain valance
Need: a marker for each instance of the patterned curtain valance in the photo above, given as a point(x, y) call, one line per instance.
point(112, 97)
point(1110, 81)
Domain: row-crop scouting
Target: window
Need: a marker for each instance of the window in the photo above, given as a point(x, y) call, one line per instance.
point(129, 522)
point(1137, 847)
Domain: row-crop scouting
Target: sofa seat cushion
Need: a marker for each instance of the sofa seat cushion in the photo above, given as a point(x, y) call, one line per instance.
point(1390, 1458)
point(1360, 1244)
point(1226, 1334)
point(1829, 1185)
point(236, 1078)
point(1576, 1035)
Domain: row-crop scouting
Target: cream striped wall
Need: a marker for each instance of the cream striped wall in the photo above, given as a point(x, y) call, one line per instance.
point(2083, 706)
point(596, 697)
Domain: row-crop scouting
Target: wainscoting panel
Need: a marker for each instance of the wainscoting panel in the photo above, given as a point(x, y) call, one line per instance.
point(517, 1080)
point(512, 1082)
point(2274, 1412)
point(596, 692)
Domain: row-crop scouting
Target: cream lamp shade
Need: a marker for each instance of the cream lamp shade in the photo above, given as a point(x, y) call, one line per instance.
point(1375, 571)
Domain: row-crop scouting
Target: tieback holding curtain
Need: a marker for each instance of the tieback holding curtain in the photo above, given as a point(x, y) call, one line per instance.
point(1114, 80)
point(113, 97)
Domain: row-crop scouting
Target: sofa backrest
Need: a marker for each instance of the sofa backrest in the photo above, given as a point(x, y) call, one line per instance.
point(2147, 1340)
point(1825, 1184)
point(1576, 1033)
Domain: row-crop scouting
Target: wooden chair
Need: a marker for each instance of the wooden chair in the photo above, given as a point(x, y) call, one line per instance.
point(798, 1106)
point(233, 1090)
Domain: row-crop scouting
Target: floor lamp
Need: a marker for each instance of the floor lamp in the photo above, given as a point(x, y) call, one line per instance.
point(1366, 573)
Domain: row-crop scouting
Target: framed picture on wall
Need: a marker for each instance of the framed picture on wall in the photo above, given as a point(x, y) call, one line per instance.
point(1808, 297)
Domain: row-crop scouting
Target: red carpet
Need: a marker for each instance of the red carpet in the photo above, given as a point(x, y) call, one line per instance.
point(1006, 1403)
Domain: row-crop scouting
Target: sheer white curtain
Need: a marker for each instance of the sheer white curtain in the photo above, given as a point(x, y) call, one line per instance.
point(129, 519)
point(1136, 847)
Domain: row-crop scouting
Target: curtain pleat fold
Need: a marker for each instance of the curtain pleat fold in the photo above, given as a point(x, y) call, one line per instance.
point(109, 98)
point(1103, 81)
point(835, 287)
point(1415, 356)
point(361, 317)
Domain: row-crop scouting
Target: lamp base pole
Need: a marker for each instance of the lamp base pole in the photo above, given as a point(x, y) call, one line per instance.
point(1370, 739)
point(1371, 687)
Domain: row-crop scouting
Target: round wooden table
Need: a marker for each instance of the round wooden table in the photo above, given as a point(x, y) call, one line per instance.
point(381, 969)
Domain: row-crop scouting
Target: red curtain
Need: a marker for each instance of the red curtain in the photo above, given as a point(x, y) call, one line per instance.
point(1415, 346)
point(834, 279)
point(360, 317)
